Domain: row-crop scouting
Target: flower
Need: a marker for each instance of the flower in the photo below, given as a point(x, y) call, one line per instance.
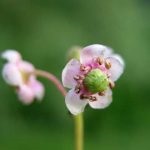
point(19, 74)
point(92, 78)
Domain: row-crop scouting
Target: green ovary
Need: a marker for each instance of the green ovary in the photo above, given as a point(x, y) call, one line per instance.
point(96, 81)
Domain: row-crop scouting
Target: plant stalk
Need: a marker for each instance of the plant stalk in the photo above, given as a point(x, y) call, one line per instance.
point(79, 132)
point(78, 119)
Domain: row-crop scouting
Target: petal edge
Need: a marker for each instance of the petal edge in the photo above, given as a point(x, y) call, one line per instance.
point(74, 104)
point(117, 68)
point(11, 55)
point(12, 75)
point(71, 69)
point(92, 51)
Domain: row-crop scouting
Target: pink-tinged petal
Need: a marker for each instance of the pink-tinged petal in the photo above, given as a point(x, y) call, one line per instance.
point(107, 52)
point(37, 87)
point(69, 72)
point(26, 66)
point(119, 58)
point(116, 69)
point(12, 75)
point(25, 94)
point(74, 103)
point(93, 51)
point(102, 101)
point(11, 56)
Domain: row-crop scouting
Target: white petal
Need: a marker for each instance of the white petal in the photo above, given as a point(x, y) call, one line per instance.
point(12, 75)
point(25, 94)
point(107, 52)
point(11, 56)
point(119, 58)
point(37, 87)
point(116, 69)
point(74, 103)
point(102, 101)
point(92, 51)
point(26, 66)
point(71, 69)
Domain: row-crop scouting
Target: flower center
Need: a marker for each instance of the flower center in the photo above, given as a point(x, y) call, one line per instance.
point(25, 76)
point(96, 81)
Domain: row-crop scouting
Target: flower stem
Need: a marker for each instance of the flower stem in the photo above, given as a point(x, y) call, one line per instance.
point(53, 79)
point(79, 131)
point(79, 135)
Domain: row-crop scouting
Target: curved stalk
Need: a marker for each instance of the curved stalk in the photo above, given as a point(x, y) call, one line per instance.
point(78, 120)
point(53, 79)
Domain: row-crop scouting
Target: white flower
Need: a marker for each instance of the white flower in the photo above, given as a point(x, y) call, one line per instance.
point(92, 78)
point(19, 74)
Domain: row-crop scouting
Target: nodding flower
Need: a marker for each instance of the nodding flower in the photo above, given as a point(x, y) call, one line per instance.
point(19, 74)
point(91, 78)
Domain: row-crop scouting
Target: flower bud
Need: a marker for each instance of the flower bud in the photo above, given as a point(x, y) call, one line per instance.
point(96, 81)
point(74, 52)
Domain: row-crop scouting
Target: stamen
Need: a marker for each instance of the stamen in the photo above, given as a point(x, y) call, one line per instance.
point(108, 75)
point(111, 84)
point(100, 60)
point(84, 68)
point(107, 64)
point(76, 77)
point(78, 88)
point(101, 93)
point(83, 96)
point(79, 79)
point(92, 98)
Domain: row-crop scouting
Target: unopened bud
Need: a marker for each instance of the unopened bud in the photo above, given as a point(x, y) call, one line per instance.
point(74, 52)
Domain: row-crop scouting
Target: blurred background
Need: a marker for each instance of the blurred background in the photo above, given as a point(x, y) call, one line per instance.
point(43, 31)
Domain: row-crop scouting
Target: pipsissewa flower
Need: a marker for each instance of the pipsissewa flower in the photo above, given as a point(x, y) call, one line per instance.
point(91, 78)
point(19, 74)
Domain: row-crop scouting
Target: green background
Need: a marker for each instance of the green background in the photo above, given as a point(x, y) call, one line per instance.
point(43, 31)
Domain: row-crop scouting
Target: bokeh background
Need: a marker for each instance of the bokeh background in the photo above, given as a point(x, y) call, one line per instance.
point(43, 31)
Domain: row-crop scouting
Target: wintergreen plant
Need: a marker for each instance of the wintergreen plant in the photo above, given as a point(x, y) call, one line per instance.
point(90, 75)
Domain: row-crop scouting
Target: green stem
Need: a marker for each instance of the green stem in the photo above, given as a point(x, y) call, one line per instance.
point(79, 131)
point(79, 127)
